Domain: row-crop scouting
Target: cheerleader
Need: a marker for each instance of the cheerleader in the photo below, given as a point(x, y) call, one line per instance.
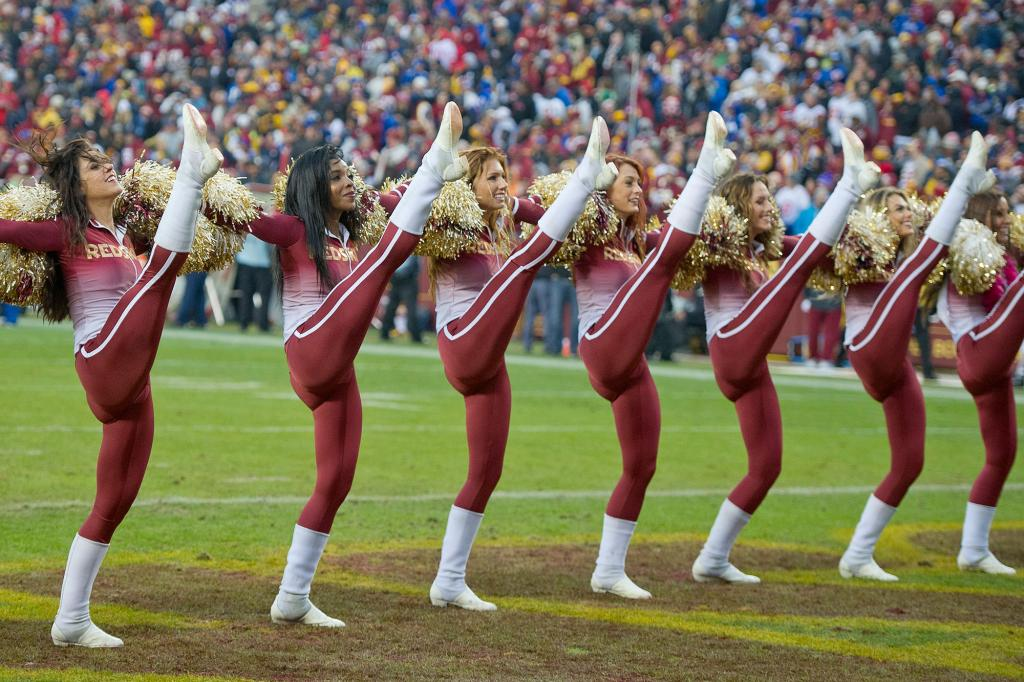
point(478, 302)
point(329, 300)
point(988, 329)
point(620, 300)
point(879, 321)
point(744, 317)
point(117, 308)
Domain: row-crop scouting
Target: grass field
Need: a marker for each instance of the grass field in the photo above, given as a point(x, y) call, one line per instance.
point(192, 571)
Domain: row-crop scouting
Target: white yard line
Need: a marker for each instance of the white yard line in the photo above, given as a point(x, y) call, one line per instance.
point(291, 500)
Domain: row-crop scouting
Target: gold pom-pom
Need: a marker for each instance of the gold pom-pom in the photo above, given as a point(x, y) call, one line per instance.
point(369, 219)
point(456, 223)
point(1017, 232)
point(24, 274)
point(596, 225)
point(147, 187)
point(922, 211)
point(866, 251)
point(724, 242)
point(281, 186)
point(975, 258)
point(230, 204)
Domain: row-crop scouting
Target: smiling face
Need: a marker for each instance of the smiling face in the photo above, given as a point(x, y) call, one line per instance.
point(760, 209)
point(491, 186)
point(343, 190)
point(626, 193)
point(999, 221)
point(900, 217)
point(99, 181)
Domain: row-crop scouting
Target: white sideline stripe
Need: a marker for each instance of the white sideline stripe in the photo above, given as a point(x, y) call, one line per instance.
point(1012, 307)
point(506, 283)
point(351, 289)
point(789, 274)
point(646, 268)
point(928, 263)
point(146, 287)
point(288, 500)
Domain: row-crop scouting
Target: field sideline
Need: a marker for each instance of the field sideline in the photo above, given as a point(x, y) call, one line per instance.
point(193, 569)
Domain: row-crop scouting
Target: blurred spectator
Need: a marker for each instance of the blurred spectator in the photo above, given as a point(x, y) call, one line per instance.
point(562, 307)
point(405, 289)
point(537, 303)
point(253, 279)
point(192, 310)
point(276, 78)
point(823, 313)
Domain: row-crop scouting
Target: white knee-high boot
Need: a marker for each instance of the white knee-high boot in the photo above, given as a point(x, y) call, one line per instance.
point(292, 604)
point(73, 625)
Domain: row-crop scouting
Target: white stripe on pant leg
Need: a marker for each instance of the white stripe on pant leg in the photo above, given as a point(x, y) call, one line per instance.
point(1011, 306)
point(146, 287)
point(929, 262)
point(504, 285)
point(770, 296)
point(645, 270)
point(343, 297)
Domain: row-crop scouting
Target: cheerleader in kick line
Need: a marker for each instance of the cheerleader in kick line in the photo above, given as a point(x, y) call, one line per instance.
point(988, 329)
point(479, 301)
point(117, 309)
point(620, 299)
point(329, 301)
point(878, 328)
point(744, 317)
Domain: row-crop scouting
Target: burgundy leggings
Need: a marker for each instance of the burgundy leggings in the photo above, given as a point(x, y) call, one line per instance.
point(320, 355)
point(473, 353)
point(984, 358)
point(738, 356)
point(879, 356)
point(613, 353)
point(114, 369)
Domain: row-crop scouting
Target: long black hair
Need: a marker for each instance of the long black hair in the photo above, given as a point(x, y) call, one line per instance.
point(308, 197)
point(60, 171)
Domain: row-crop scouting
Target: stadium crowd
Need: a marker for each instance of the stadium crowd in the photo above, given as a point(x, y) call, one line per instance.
point(276, 78)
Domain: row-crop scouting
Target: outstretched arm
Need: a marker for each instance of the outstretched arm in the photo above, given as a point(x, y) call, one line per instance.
point(278, 229)
point(35, 236)
point(527, 210)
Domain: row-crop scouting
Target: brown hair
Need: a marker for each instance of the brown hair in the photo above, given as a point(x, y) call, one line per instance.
point(878, 201)
point(636, 223)
point(60, 171)
point(982, 205)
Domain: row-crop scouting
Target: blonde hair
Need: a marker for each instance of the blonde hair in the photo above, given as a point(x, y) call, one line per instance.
point(878, 201)
point(738, 191)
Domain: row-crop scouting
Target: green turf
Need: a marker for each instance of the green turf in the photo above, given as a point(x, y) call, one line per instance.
point(232, 463)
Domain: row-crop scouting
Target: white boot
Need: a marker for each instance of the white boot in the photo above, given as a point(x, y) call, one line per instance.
point(199, 163)
point(73, 626)
point(292, 604)
point(974, 552)
point(610, 574)
point(591, 174)
point(440, 164)
point(713, 164)
point(858, 559)
point(858, 177)
point(712, 564)
point(449, 586)
point(971, 179)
